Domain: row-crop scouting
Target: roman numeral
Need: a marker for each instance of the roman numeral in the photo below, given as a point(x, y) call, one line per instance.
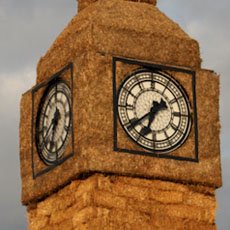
point(139, 84)
point(173, 101)
point(152, 82)
point(175, 128)
point(51, 145)
point(44, 115)
point(131, 124)
point(67, 114)
point(130, 93)
point(178, 114)
point(154, 136)
point(165, 87)
point(145, 131)
point(44, 143)
point(127, 106)
point(167, 136)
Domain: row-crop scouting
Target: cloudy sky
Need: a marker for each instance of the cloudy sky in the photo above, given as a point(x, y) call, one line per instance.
point(28, 28)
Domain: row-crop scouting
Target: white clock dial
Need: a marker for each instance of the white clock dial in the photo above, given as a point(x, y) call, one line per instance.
point(54, 122)
point(154, 110)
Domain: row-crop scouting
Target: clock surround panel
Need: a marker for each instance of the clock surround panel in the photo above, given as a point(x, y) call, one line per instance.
point(43, 94)
point(133, 71)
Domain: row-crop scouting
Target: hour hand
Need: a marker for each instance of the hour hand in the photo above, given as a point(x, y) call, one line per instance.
point(162, 105)
point(145, 131)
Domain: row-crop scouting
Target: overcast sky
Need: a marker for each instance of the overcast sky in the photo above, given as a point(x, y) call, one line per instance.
point(28, 28)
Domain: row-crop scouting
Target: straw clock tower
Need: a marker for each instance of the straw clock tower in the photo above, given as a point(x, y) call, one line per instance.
point(121, 130)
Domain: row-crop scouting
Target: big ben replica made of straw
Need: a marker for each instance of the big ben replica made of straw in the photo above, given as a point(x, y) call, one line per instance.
point(121, 130)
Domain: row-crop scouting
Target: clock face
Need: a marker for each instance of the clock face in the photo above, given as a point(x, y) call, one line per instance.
point(54, 122)
point(154, 110)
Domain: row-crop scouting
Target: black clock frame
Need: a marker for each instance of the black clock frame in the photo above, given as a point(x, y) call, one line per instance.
point(54, 79)
point(183, 92)
point(52, 84)
point(152, 67)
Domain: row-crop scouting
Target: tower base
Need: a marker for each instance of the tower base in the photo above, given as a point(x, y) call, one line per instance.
point(117, 202)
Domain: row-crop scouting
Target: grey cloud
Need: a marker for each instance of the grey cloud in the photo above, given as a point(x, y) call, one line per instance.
point(12, 213)
point(29, 28)
point(208, 22)
point(223, 205)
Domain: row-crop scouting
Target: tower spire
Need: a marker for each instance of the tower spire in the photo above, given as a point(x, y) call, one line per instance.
point(84, 3)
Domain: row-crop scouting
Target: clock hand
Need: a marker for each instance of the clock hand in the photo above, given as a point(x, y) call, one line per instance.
point(134, 122)
point(153, 111)
point(53, 124)
point(156, 107)
point(56, 118)
point(46, 135)
point(52, 139)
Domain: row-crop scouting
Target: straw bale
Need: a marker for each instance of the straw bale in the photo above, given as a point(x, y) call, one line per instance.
point(58, 217)
point(130, 219)
point(108, 200)
point(191, 225)
point(57, 202)
point(89, 185)
point(84, 200)
point(127, 190)
point(67, 189)
point(146, 206)
point(63, 215)
point(133, 190)
point(174, 223)
point(115, 219)
point(191, 212)
point(154, 184)
point(162, 221)
point(166, 197)
point(151, 184)
point(65, 225)
point(201, 189)
point(95, 224)
point(66, 201)
point(46, 208)
point(36, 222)
point(88, 213)
point(110, 209)
point(201, 200)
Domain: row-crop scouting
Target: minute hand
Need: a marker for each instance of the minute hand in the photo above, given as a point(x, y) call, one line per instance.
point(135, 122)
point(53, 125)
point(47, 132)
